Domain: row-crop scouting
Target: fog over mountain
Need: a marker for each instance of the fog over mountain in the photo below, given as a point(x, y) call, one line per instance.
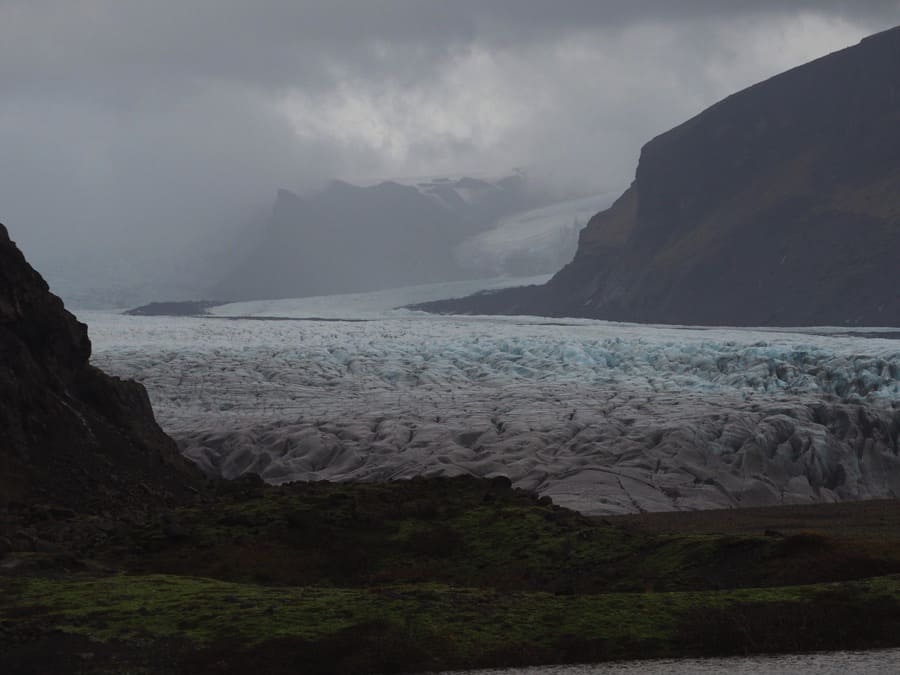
point(350, 238)
point(141, 140)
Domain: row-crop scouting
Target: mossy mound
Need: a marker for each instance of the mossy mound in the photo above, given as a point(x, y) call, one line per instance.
point(468, 532)
point(421, 575)
point(412, 627)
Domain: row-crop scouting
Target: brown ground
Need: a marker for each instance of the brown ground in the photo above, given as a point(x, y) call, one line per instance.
point(876, 519)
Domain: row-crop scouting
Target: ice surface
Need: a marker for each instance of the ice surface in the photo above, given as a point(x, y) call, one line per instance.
point(381, 304)
point(548, 234)
point(603, 417)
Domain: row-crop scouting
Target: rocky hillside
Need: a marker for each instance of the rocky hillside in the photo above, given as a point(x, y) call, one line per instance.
point(779, 205)
point(70, 434)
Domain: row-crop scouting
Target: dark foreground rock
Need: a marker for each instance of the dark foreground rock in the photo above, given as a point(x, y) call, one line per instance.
point(776, 206)
point(71, 435)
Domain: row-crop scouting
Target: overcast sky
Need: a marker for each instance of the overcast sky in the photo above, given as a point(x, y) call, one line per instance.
point(148, 124)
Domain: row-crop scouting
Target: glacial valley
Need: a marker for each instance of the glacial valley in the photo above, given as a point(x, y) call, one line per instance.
point(602, 417)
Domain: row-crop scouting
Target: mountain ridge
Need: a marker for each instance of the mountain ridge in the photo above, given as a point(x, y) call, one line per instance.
point(778, 205)
point(351, 238)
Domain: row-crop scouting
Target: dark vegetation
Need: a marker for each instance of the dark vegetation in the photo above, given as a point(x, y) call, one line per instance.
point(430, 574)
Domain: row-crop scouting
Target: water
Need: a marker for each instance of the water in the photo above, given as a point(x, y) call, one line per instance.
point(872, 662)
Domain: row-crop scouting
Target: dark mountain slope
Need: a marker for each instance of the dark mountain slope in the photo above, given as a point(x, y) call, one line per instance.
point(780, 205)
point(70, 434)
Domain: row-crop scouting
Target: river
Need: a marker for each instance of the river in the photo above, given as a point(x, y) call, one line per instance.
point(872, 662)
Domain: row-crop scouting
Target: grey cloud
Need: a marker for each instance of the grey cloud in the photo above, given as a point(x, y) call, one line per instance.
point(280, 42)
point(140, 128)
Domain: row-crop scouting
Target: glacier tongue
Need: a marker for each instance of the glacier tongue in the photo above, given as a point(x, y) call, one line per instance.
point(604, 418)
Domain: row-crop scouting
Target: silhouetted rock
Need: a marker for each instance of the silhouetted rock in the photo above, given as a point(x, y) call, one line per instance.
point(70, 434)
point(777, 206)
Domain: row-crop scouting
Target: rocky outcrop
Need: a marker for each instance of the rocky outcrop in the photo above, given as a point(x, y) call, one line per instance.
point(70, 434)
point(777, 206)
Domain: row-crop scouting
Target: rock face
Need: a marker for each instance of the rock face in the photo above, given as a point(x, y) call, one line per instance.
point(779, 205)
point(70, 434)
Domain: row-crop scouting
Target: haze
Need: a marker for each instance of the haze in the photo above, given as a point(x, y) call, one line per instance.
point(139, 138)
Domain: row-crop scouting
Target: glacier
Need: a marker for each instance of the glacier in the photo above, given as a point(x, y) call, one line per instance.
point(545, 238)
point(605, 418)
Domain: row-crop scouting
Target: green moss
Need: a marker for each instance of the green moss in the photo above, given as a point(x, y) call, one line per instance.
point(438, 573)
point(473, 621)
point(465, 531)
point(429, 574)
point(200, 610)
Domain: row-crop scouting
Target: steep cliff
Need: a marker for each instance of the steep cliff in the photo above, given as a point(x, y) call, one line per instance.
point(779, 205)
point(70, 434)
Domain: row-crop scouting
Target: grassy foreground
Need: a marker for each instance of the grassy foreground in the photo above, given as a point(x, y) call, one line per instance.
point(427, 575)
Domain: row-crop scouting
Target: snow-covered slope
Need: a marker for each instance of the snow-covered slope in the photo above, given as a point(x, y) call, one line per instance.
point(603, 417)
point(540, 240)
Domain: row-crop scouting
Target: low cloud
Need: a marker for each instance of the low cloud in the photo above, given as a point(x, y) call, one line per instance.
point(140, 129)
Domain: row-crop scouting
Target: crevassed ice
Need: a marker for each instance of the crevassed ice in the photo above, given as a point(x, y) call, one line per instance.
point(603, 417)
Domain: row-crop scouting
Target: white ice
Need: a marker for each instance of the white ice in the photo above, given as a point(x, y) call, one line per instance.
point(603, 417)
point(548, 233)
point(381, 304)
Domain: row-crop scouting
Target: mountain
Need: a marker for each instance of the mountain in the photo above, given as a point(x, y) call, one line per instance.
point(779, 205)
point(70, 434)
point(348, 238)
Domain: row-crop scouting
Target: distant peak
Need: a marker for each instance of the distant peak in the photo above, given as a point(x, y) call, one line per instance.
point(467, 183)
point(286, 202)
point(286, 195)
point(392, 186)
point(337, 184)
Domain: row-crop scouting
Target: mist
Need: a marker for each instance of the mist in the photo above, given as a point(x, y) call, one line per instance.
point(141, 140)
